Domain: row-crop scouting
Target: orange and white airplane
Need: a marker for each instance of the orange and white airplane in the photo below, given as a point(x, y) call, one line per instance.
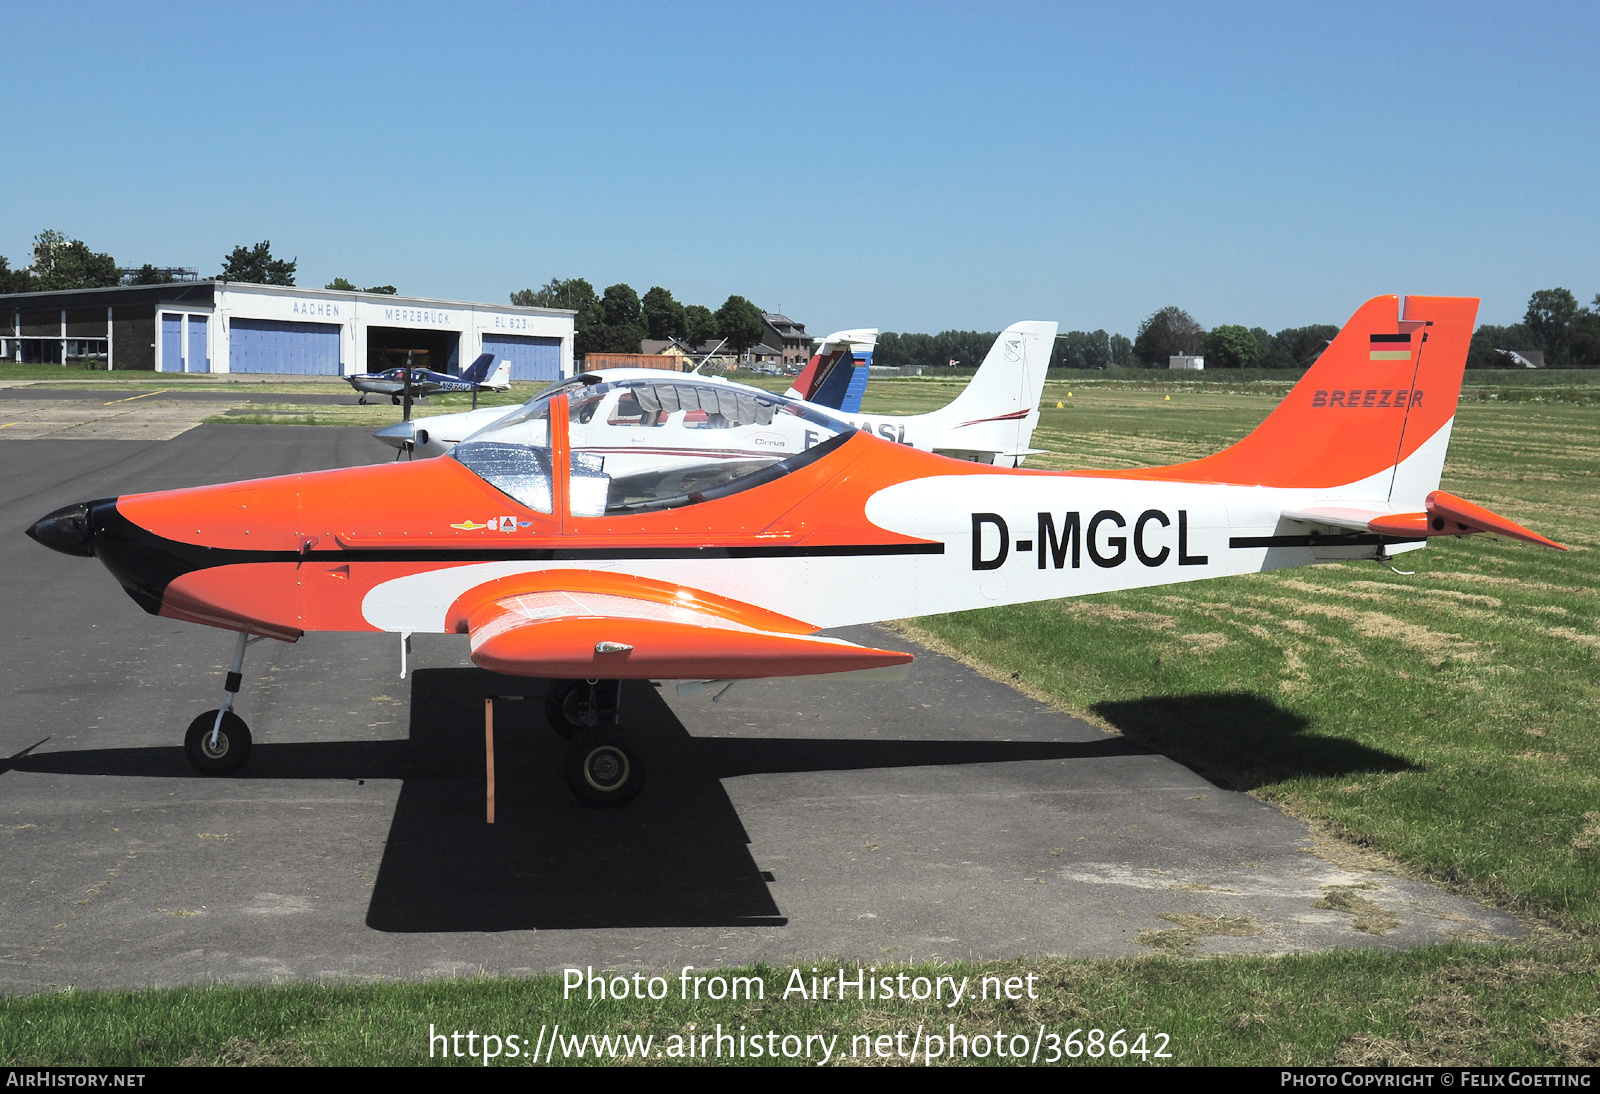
point(588, 549)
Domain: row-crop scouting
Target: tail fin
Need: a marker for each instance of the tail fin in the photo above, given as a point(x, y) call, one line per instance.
point(501, 380)
point(836, 375)
point(999, 408)
point(478, 370)
point(1372, 416)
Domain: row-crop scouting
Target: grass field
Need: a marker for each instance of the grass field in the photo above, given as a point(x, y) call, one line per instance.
point(1445, 720)
point(1442, 1005)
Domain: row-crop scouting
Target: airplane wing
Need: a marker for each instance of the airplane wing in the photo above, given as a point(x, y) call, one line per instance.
point(584, 624)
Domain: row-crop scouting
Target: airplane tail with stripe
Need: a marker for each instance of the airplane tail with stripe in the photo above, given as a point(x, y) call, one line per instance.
point(478, 371)
point(1370, 419)
point(1366, 429)
point(998, 410)
point(836, 376)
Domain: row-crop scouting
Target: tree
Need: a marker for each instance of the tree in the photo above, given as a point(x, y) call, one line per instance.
point(345, 285)
point(1551, 313)
point(13, 280)
point(1298, 347)
point(62, 263)
point(1232, 346)
point(699, 325)
point(575, 295)
point(256, 266)
point(1170, 332)
point(1078, 349)
point(149, 275)
point(619, 307)
point(1489, 343)
point(1121, 351)
point(740, 322)
point(622, 327)
point(1586, 337)
point(663, 316)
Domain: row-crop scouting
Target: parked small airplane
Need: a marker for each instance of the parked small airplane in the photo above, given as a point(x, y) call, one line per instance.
point(672, 527)
point(425, 382)
point(991, 421)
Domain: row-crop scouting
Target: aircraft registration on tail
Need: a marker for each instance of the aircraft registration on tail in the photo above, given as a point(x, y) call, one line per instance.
point(667, 527)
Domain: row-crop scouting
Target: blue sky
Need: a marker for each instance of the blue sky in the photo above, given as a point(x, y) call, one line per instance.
point(910, 167)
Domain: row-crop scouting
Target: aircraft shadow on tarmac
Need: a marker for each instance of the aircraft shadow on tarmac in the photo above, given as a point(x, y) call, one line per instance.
point(678, 856)
point(1241, 741)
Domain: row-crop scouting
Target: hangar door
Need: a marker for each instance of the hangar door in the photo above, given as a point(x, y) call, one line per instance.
point(301, 349)
point(531, 358)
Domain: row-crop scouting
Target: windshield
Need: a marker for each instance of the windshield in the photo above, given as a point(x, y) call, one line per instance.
point(640, 444)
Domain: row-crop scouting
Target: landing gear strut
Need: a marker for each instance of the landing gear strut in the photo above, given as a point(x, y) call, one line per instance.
point(602, 769)
point(218, 741)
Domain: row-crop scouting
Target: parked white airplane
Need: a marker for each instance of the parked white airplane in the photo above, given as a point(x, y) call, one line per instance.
point(990, 422)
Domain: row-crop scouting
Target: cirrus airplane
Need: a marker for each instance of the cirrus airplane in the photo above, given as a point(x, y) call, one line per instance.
point(425, 382)
point(674, 528)
point(990, 422)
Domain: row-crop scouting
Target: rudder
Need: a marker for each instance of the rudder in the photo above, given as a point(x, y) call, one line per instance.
point(1372, 413)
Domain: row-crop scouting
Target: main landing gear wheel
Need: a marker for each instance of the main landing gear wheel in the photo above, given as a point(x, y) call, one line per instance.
point(227, 753)
point(572, 706)
point(602, 771)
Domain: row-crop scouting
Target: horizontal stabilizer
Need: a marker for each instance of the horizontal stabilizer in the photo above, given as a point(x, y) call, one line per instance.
point(1465, 516)
point(1446, 515)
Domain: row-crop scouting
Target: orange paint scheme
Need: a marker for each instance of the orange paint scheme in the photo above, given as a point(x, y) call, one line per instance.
point(1329, 431)
point(260, 598)
point(1449, 515)
point(1409, 525)
point(655, 649)
point(323, 514)
point(1464, 515)
point(605, 583)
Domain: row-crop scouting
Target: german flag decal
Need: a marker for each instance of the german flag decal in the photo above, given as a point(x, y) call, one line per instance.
point(1390, 347)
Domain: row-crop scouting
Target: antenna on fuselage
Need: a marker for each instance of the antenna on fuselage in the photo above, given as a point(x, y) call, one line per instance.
point(696, 370)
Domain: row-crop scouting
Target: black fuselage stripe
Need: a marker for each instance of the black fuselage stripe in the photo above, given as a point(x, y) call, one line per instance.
point(1317, 541)
point(558, 554)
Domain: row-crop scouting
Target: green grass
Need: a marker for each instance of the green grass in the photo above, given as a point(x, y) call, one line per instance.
point(1440, 1005)
point(1446, 719)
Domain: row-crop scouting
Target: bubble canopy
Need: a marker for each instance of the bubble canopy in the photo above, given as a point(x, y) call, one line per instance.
point(641, 444)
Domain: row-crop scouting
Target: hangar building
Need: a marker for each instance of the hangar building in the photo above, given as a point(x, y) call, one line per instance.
point(232, 327)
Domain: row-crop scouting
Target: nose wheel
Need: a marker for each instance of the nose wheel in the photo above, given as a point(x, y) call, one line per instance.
point(217, 747)
point(218, 741)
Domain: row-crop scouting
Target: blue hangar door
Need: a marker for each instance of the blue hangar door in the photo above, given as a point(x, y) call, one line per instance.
point(268, 345)
point(531, 358)
point(171, 342)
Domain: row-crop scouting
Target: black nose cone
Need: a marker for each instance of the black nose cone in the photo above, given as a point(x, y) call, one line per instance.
point(66, 530)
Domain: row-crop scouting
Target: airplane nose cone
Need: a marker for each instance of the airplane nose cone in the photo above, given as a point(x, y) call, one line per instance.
point(400, 435)
point(66, 530)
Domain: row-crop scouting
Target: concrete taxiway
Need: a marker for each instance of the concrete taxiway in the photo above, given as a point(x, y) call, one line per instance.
point(945, 817)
